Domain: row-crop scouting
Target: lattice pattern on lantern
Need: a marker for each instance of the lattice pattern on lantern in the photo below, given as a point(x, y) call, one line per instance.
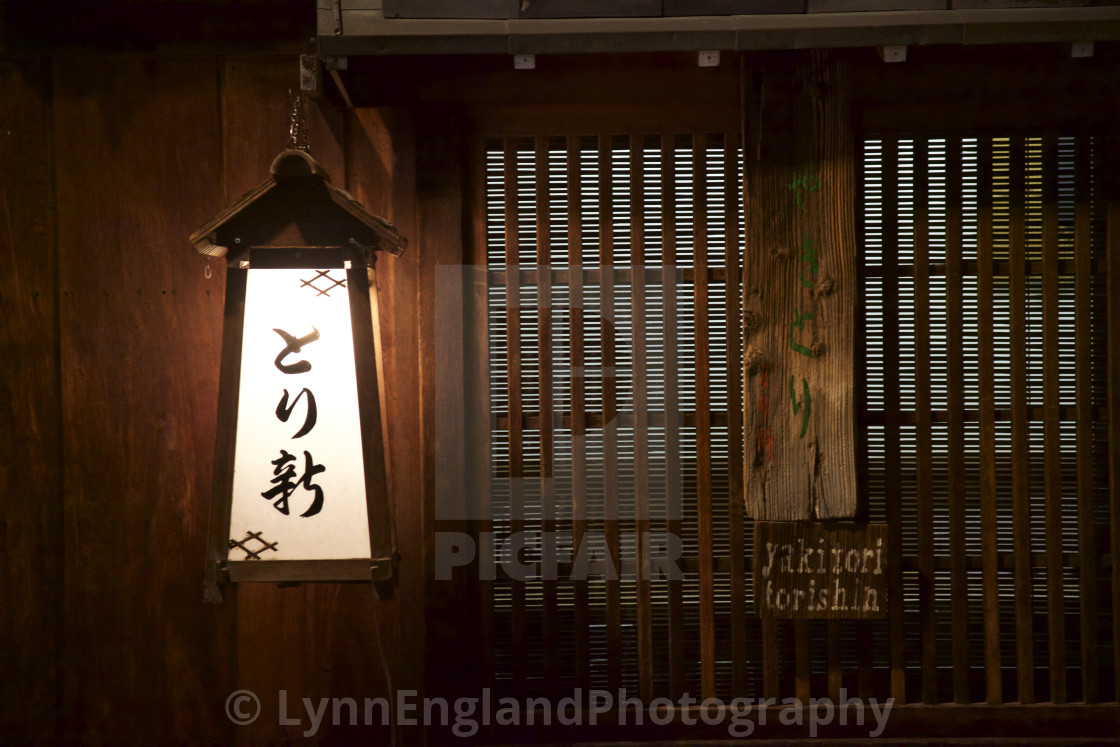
point(256, 538)
point(325, 277)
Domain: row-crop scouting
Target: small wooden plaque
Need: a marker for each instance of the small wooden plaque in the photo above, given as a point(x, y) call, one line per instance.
point(815, 570)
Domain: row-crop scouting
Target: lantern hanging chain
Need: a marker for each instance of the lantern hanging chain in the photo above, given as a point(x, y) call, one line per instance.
point(297, 124)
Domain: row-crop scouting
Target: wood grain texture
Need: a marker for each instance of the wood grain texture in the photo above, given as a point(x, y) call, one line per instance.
point(432, 624)
point(700, 199)
point(1052, 476)
point(989, 517)
point(955, 370)
point(1113, 254)
point(1086, 530)
point(1020, 447)
point(550, 623)
point(923, 421)
point(30, 411)
point(575, 189)
point(140, 334)
point(893, 474)
point(733, 259)
point(799, 284)
point(670, 281)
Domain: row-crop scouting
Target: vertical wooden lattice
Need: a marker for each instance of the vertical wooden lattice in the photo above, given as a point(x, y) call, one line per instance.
point(618, 409)
point(985, 291)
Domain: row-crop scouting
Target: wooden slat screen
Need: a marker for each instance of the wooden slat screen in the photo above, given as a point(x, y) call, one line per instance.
point(614, 311)
point(614, 270)
point(985, 293)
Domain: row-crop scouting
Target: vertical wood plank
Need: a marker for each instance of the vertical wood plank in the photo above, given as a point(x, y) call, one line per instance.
point(610, 410)
point(641, 413)
point(1086, 514)
point(955, 317)
point(579, 415)
point(771, 668)
point(800, 286)
point(1055, 602)
point(891, 456)
point(733, 316)
point(139, 341)
point(833, 660)
point(1020, 424)
point(470, 585)
point(550, 621)
point(927, 613)
point(865, 653)
point(30, 408)
point(989, 519)
point(703, 416)
point(513, 371)
point(801, 689)
point(1113, 259)
point(673, 481)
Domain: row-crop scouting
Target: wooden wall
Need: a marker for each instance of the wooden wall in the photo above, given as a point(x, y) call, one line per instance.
point(108, 396)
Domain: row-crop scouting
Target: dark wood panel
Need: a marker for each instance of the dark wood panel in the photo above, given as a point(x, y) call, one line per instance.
point(274, 26)
point(733, 260)
point(381, 174)
point(608, 355)
point(140, 336)
point(673, 418)
point(1020, 454)
point(31, 538)
point(989, 517)
point(700, 199)
point(923, 437)
point(893, 477)
point(1055, 593)
point(641, 415)
point(575, 189)
point(513, 373)
point(955, 366)
point(1086, 514)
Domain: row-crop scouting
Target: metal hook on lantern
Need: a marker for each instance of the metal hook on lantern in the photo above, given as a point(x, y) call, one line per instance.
point(297, 126)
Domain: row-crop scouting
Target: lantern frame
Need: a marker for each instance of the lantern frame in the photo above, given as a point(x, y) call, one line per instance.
point(296, 219)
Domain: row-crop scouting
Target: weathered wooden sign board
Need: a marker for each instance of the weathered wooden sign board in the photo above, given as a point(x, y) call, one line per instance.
point(813, 570)
point(799, 285)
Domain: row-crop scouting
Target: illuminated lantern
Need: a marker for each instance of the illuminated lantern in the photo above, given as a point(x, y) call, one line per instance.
point(300, 488)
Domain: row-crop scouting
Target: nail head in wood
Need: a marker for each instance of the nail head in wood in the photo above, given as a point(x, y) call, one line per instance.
point(1082, 49)
point(896, 53)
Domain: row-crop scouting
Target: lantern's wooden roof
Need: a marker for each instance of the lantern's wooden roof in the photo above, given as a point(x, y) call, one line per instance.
point(295, 207)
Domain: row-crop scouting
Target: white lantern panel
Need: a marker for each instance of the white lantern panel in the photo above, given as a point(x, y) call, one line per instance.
point(299, 477)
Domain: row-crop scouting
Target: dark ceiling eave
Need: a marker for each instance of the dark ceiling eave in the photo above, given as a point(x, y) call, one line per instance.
point(367, 32)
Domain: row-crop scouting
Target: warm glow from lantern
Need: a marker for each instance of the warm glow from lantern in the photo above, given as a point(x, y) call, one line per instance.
point(299, 480)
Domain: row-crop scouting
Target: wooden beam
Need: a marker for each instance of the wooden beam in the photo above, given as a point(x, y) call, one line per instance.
point(799, 285)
